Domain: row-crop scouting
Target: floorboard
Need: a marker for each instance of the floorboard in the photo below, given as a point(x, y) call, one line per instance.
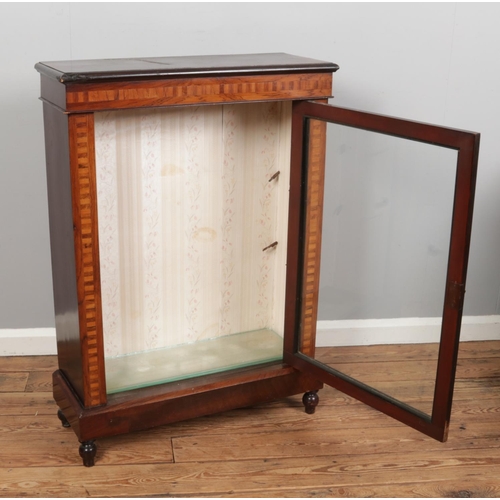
point(345, 449)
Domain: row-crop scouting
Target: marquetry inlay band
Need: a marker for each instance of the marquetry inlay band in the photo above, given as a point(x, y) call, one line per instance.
point(81, 130)
point(312, 250)
point(102, 96)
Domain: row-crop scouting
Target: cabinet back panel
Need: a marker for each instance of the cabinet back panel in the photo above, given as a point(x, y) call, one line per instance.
point(185, 209)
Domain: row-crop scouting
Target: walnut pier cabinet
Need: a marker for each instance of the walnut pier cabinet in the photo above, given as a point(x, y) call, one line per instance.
point(186, 209)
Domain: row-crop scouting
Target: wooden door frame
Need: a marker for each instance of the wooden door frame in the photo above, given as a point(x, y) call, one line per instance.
point(467, 146)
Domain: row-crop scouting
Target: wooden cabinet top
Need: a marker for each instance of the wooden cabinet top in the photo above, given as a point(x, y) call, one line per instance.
point(109, 70)
point(103, 84)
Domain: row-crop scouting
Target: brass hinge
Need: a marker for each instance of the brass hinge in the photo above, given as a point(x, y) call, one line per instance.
point(455, 295)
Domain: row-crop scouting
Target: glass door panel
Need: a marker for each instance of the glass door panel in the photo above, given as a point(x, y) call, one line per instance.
point(393, 237)
point(385, 241)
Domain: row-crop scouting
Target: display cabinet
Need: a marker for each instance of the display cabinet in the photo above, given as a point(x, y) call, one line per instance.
point(185, 206)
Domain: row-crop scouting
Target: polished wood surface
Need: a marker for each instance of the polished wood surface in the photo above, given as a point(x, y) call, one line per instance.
point(96, 85)
point(345, 449)
point(314, 192)
point(159, 405)
point(79, 88)
point(86, 245)
point(87, 87)
point(53, 91)
point(467, 146)
point(62, 246)
point(233, 89)
point(192, 66)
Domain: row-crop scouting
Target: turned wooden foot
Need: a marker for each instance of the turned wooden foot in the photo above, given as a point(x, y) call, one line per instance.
point(310, 400)
point(87, 450)
point(63, 419)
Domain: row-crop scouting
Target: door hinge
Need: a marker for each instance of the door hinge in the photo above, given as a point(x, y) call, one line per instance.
point(455, 293)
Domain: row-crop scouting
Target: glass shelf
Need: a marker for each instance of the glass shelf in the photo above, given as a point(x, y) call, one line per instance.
point(159, 366)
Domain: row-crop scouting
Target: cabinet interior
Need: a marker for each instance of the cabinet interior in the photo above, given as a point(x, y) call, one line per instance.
point(190, 203)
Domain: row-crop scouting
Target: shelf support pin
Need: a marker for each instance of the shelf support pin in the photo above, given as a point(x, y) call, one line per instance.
point(274, 176)
point(272, 245)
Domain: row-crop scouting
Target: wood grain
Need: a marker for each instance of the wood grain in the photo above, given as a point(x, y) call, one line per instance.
point(28, 364)
point(467, 144)
point(29, 448)
point(39, 382)
point(12, 381)
point(112, 70)
point(270, 450)
point(183, 91)
point(406, 352)
point(312, 245)
point(176, 402)
point(79, 384)
point(387, 369)
point(26, 403)
point(462, 488)
point(248, 476)
point(82, 161)
point(307, 443)
point(62, 246)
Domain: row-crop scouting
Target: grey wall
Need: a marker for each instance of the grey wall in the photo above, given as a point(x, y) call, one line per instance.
point(430, 62)
point(387, 219)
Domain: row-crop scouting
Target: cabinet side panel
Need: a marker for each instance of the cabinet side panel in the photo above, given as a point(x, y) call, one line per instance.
point(312, 247)
point(53, 91)
point(84, 203)
point(62, 247)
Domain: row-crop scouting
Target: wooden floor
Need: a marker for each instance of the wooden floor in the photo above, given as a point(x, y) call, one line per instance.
point(344, 450)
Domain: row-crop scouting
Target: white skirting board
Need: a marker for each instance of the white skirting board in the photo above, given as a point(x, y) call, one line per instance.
point(401, 331)
point(27, 341)
point(39, 341)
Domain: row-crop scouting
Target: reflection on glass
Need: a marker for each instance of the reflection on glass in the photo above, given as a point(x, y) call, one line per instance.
point(386, 229)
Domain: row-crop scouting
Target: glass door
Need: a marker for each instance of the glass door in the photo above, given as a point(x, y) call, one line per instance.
point(397, 198)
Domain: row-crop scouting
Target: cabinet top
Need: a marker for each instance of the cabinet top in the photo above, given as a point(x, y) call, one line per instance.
point(107, 70)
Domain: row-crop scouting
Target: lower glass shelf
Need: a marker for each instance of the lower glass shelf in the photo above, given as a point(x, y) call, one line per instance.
point(143, 369)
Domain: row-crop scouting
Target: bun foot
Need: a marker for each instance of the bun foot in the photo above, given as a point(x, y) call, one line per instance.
point(87, 450)
point(310, 400)
point(63, 419)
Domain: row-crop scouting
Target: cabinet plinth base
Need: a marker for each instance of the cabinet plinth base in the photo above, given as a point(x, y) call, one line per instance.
point(153, 406)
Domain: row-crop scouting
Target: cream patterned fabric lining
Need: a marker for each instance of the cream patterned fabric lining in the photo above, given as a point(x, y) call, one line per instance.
point(185, 208)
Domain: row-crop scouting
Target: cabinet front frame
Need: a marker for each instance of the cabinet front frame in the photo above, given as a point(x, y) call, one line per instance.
point(86, 240)
point(82, 358)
